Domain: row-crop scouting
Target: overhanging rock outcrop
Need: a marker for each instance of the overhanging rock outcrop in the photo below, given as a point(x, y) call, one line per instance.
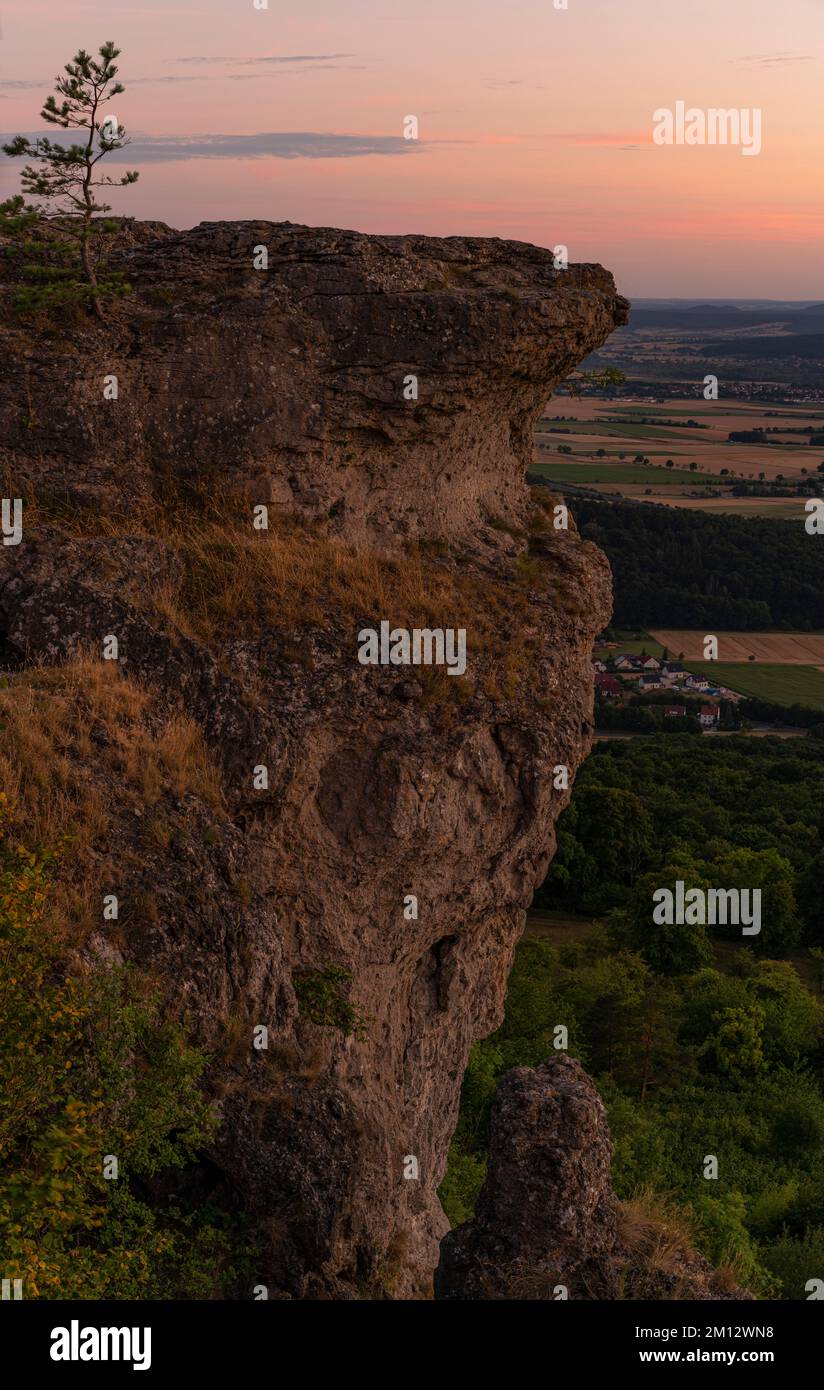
point(289, 904)
point(295, 381)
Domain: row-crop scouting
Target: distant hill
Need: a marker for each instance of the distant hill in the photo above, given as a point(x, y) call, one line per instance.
point(701, 318)
point(806, 345)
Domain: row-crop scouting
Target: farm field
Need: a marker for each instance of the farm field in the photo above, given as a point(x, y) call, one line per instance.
point(773, 508)
point(779, 648)
point(674, 495)
point(781, 684)
point(615, 474)
point(617, 427)
point(788, 668)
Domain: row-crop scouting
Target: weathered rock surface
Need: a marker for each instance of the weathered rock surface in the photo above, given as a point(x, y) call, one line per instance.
point(290, 381)
point(547, 1219)
point(286, 386)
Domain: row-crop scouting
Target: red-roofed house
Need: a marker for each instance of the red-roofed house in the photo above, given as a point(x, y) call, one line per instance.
point(608, 686)
point(708, 714)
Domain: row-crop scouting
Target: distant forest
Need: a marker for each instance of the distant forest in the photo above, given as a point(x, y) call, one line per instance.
point(679, 568)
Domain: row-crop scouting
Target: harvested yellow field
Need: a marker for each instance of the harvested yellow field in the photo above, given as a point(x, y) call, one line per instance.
point(778, 648)
point(779, 508)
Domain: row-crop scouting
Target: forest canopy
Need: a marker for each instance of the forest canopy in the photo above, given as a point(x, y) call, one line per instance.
point(698, 1043)
point(680, 568)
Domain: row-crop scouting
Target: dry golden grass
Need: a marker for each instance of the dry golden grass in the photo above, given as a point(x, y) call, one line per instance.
point(300, 582)
point(292, 575)
point(657, 1232)
point(66, 788)
point(292, 578)
point(295, 578)
point(655, 1259)
point(660, 1238)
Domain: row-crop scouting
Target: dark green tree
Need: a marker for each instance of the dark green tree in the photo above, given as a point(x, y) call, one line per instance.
point(64, 178)
point(734, 1047)
point(671, 948)
point(606, 841)
point(770, 872)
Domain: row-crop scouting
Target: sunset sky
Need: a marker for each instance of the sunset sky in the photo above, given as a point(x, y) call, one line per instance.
point(535, 123)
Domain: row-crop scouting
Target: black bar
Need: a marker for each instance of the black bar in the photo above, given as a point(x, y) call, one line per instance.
point(247, 1338)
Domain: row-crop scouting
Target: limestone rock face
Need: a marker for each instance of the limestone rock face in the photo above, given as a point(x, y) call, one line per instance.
point(547, 1223)
point(293, 380)
point(286, 386)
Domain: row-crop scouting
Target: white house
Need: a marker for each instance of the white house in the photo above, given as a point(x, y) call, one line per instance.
point(697, 683)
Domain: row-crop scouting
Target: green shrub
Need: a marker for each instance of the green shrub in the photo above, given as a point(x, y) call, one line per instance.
point(793, 1261)
point(722, 1235)
point(461, 1187)
point(90, 1068)
point(321, 999)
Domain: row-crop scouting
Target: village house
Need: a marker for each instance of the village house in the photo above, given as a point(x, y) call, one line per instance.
point(608, 686)
point(598, 665)
point(649, 683)
point(708, 714)
point(626, 663)
point(675, 711)
point(697, 683)
point(651, 663)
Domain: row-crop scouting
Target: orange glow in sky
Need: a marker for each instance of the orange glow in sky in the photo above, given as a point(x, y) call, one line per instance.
point(534, 123)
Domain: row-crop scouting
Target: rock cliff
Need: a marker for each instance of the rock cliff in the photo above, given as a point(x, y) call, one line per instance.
point(547, 1223)
point(340, 853)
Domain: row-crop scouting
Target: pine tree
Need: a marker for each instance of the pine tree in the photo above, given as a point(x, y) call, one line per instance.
point(65, 176)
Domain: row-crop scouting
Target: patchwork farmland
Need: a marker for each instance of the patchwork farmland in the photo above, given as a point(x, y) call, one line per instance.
point(679, 452)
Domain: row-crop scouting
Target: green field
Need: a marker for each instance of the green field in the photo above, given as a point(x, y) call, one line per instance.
point(784, 685)
point(620, 473)
point(619, 429)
